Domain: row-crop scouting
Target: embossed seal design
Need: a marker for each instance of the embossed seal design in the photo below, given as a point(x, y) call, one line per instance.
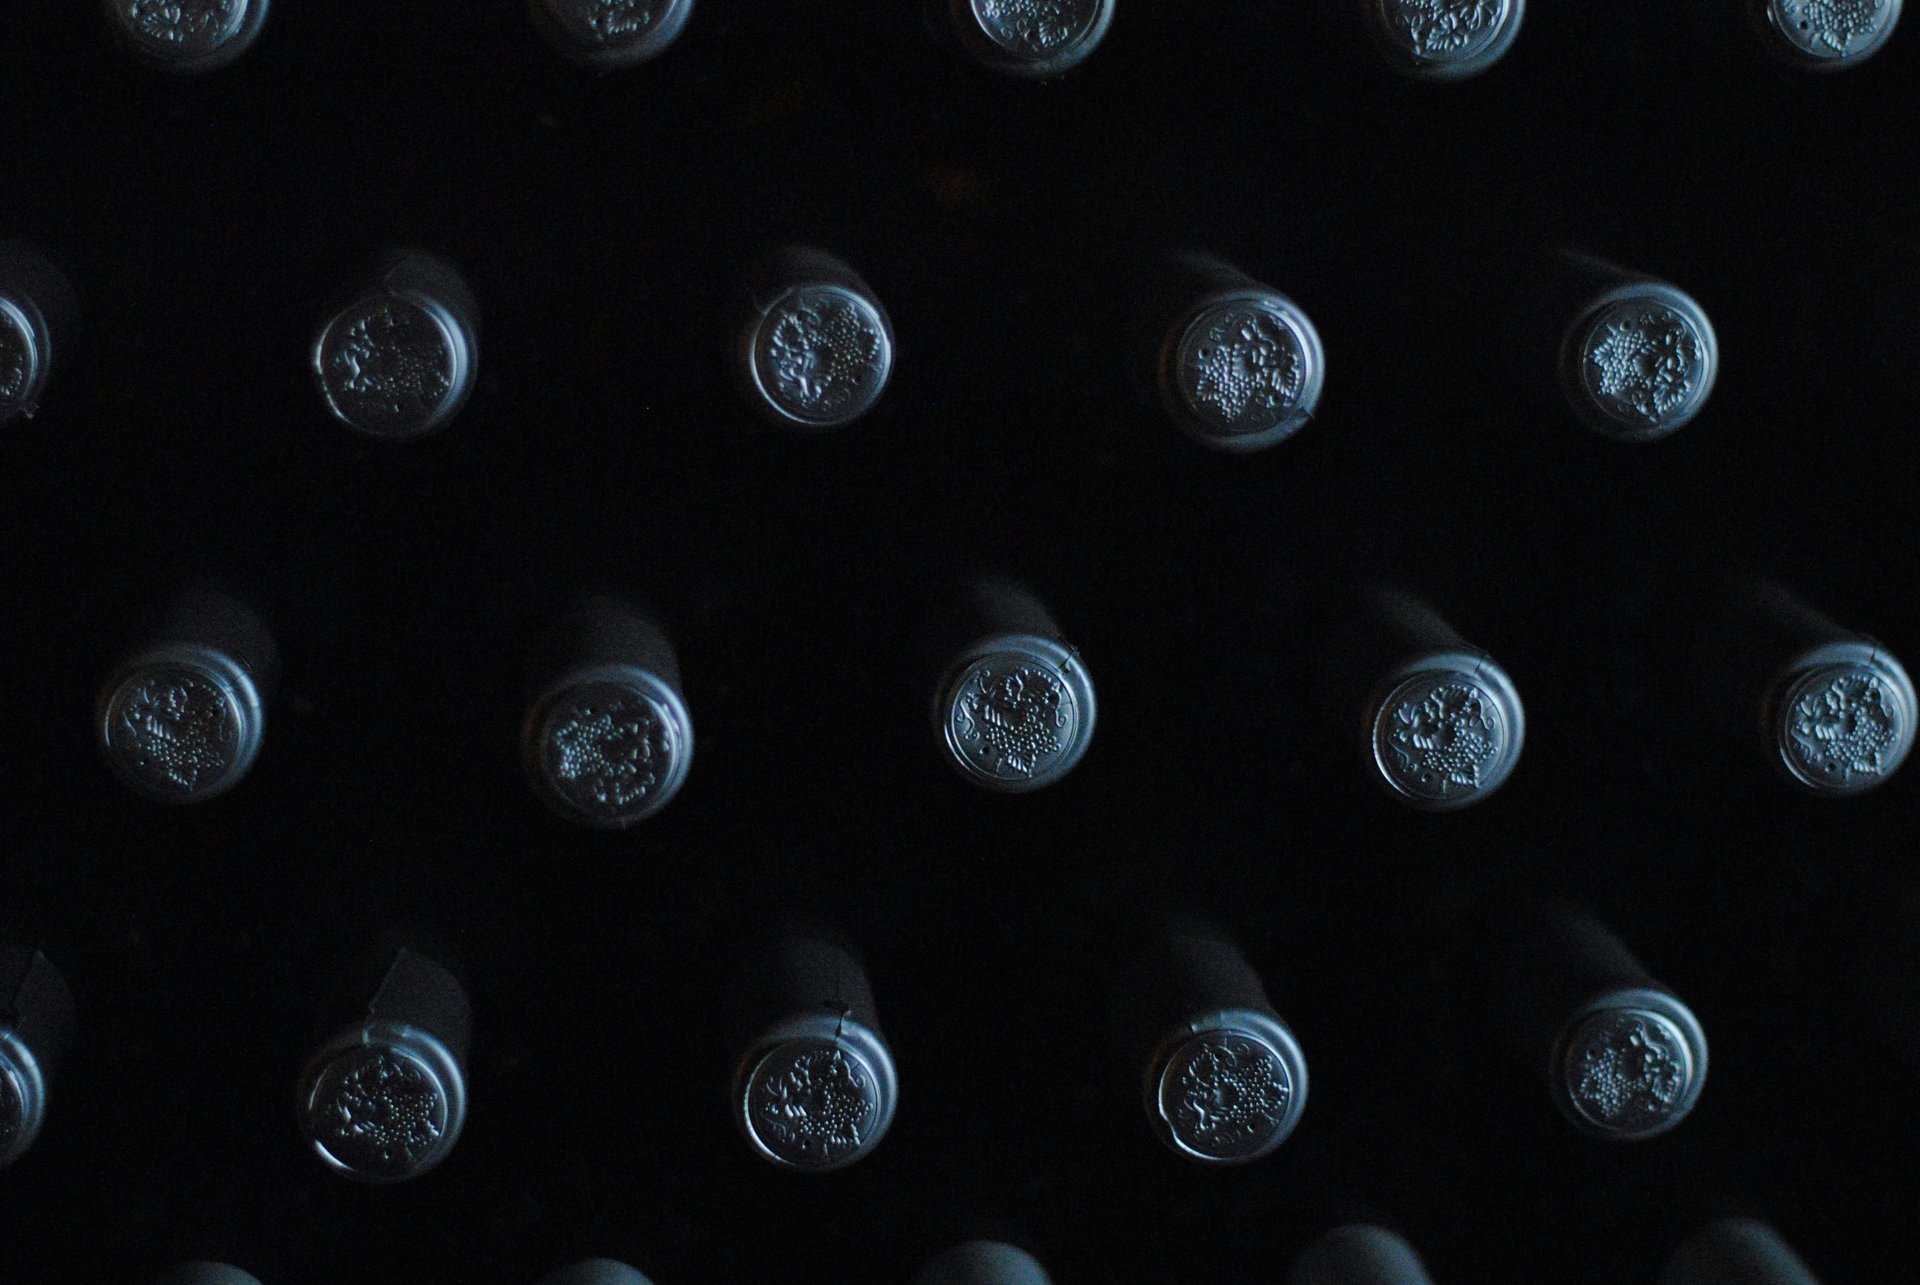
point(1441, 737)
point(1224, 1095)
point(813, 1103)
point(19, 360)
point(183, 26)
point(1834, 29)
point(1036, 29)
point(1628, 1071)
point(1243, 369)
point(822, 355)
point(609, 750)
point(1844, 728)
point(1645, 365)
point(1012, 718)
point(390, 367)
point(379, 1112)
point(1444, 30)
point(175, 730)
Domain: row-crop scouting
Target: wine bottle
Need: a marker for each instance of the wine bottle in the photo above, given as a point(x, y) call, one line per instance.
point(38, 315)
point(397, 358)
point(983, 1262)
point(595, 1271)
point(186, 36)
point(36, 1027)
point(1823, 35)
point(1736, 1251)
point(609, 35)
point(1359, 1254)
point(1021, 39)
point(813, 348)
point(1441, 40)
point(207, 1274)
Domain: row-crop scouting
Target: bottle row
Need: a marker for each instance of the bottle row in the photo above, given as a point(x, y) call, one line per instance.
point(1731, 1251)
point(607, 736)
point(1234, 364)
point(1220, 1076)
point(1435, 40)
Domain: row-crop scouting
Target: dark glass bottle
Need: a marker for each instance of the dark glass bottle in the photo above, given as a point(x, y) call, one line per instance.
point(36, 1028)
point(38, 315)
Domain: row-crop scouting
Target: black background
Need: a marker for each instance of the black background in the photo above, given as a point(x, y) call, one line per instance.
point(206, 223)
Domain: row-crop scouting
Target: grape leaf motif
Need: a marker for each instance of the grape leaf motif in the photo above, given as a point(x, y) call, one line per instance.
point(173, 728)
point(1226, 1094)
point(181, 23)
point(1245, 368)
point(379, 1111)
point(1035, 28)
point(1628, 1070)
point(612, 21)
point(1647, 363)
point(389, 364)
point(1836, 24)
point(1438, 28)
point(1013, 719)
point(1846, 728)
point(823, 355)
point(608, 750)
point(1442, 738)
point(812, 1103)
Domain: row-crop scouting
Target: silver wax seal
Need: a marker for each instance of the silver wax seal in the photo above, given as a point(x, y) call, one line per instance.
point(1243, 370)
point(1640, 361)
point(1444, 39)
point(610, 747)
point(1227, 1088)
point(1842, 718)
point(818, 1094)
point(1826, 35)
point(181, 724)
point(608, 34)
point(1630, 1065)
point(187, 35)
point(384, 1104)
point(1015, 711)
point(819, 355)
point(1032, 38)
point(1448, 730)
point(398, 359)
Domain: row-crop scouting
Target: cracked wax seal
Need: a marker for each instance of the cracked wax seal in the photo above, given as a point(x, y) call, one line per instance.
point(383, 1105)
point(1015, 712)
point(1842, 718)
point(818, 1094)
point(1031, 38)
point(609, 747)
point(1827, 35)
point(610, 34)
point(1640, 361)
point(186, 35)
point(1444, 39)
point(182, 724)
point(1227, 1088)
point(1630, 1065)
point(1242, 370)
point(1448, 731)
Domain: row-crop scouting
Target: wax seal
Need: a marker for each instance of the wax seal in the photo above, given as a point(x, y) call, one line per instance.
point(1825, 35)
point(1016, 712)
point(1228, 1087)
point(1447, 731)
point(1032, 39)
point(815, 348)
point(1631, 1064)
point(186, 36)
point(1842, 717)
point(383, 1099)
point(397, 359)
point(1639, 361)
point(38, 312)
point(606, 35)
point(1444, 39)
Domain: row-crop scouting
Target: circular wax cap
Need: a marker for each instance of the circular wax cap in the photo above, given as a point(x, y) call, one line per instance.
point(24, 343)
point(1826, 35)
point(983, 1262)
point(1242, 370)
point(383, 1103)
point(1629, 1065)
point(1444, 39)
point(610, 34)
point(23, 1097)
point(1015, 712)
point(1032, 38)
point(1448, 731)
point(1841, 718)
point(1640, 361)
point(394, 364)
point(817, 1092)
point(1227, 1087)
point(187, 35)
point(608, 747)
point(181, 724)
point(819, 355)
